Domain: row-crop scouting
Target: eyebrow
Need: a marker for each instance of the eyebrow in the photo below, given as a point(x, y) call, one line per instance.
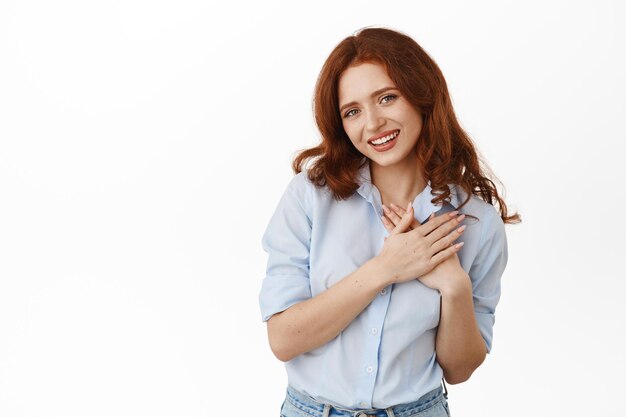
point(374, 94)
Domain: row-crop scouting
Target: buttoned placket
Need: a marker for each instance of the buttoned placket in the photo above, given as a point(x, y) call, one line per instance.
point(376, 312)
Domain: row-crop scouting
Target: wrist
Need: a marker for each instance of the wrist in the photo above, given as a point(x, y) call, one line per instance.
point(458, 287)
point(380, 272)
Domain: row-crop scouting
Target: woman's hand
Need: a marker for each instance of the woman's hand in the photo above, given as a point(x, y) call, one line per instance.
point(409, 254)
point(448, 273)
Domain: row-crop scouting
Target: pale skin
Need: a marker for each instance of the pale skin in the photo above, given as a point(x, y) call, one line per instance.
point(405, 255)
point(459, 345)
point(371, 107)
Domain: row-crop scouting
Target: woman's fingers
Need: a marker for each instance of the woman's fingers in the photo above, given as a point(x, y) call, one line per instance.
point(446, 253)
point(400, 223)
point(442, 234)
point(387, 223)
point(445, 229)
point(392, 215)
point(446, 241)
point(435, 222)
point(399, 212)
point(441, 238)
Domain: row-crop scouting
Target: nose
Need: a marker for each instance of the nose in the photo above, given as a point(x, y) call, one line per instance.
point(374, 121)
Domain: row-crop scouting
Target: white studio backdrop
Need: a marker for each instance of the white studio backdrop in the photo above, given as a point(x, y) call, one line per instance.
point(145, 144)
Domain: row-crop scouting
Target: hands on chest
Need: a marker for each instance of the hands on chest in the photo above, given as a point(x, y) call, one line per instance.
point(425, 251)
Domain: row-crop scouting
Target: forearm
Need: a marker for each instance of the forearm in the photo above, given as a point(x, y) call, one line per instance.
point(459, 345)
point(314, 322)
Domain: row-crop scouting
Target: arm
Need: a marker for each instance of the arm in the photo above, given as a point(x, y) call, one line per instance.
point(312, 323)
point(468, 305)
point(315, 321)
point(297, 322)
point(459, 344)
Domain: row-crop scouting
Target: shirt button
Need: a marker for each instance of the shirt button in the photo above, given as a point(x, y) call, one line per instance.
point(369, 369)
point(383, 291)
point(374, 330)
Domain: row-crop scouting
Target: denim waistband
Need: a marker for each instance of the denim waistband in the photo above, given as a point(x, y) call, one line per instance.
point(309, 405)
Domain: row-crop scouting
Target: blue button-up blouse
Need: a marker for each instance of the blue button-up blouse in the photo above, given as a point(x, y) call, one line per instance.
point(386, 355)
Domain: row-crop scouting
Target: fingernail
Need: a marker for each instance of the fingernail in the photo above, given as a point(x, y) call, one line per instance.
point(458, 245)
point(454, 213)
point(408, 207)
point(385, 209)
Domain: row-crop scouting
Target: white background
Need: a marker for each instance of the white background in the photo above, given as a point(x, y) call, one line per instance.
point(145, 144)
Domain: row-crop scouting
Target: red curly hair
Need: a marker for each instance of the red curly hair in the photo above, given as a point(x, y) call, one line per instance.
point(445, 153)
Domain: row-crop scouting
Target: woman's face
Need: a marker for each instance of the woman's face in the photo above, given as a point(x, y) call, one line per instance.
point(372, 109)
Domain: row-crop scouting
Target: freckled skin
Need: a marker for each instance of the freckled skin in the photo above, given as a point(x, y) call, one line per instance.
point(374, 115)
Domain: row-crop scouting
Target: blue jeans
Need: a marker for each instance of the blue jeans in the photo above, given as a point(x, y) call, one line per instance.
point(431, 404)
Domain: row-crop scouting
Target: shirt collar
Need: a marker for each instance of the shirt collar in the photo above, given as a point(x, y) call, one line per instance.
point(421, 204)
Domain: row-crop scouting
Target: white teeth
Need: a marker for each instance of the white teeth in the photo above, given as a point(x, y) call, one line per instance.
point(385, 139)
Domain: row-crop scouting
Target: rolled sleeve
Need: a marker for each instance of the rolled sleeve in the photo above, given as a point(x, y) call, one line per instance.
point(287, 240)
point(486, 273)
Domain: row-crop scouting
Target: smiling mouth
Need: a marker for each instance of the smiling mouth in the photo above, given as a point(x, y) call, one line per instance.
point(385, 139)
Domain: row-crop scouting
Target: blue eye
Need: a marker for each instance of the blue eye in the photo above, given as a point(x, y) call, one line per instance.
point(385, 99)
point(348, 114)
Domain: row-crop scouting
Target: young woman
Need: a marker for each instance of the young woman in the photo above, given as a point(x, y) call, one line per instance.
point(368, 297)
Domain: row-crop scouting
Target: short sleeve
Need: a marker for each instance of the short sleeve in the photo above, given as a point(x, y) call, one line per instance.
point(287, 241)
point(486, 273)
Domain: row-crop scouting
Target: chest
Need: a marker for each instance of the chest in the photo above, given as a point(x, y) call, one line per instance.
point(349, 233)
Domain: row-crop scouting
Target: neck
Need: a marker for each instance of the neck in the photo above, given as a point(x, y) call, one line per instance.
point(399, 183)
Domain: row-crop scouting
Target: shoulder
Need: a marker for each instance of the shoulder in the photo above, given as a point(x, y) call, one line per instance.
point(489, 219)
point(307, 192)
point(299, 187)
point(300, 182)
point(493, 225)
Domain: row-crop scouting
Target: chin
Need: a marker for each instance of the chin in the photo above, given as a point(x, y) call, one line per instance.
point(385, 161)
